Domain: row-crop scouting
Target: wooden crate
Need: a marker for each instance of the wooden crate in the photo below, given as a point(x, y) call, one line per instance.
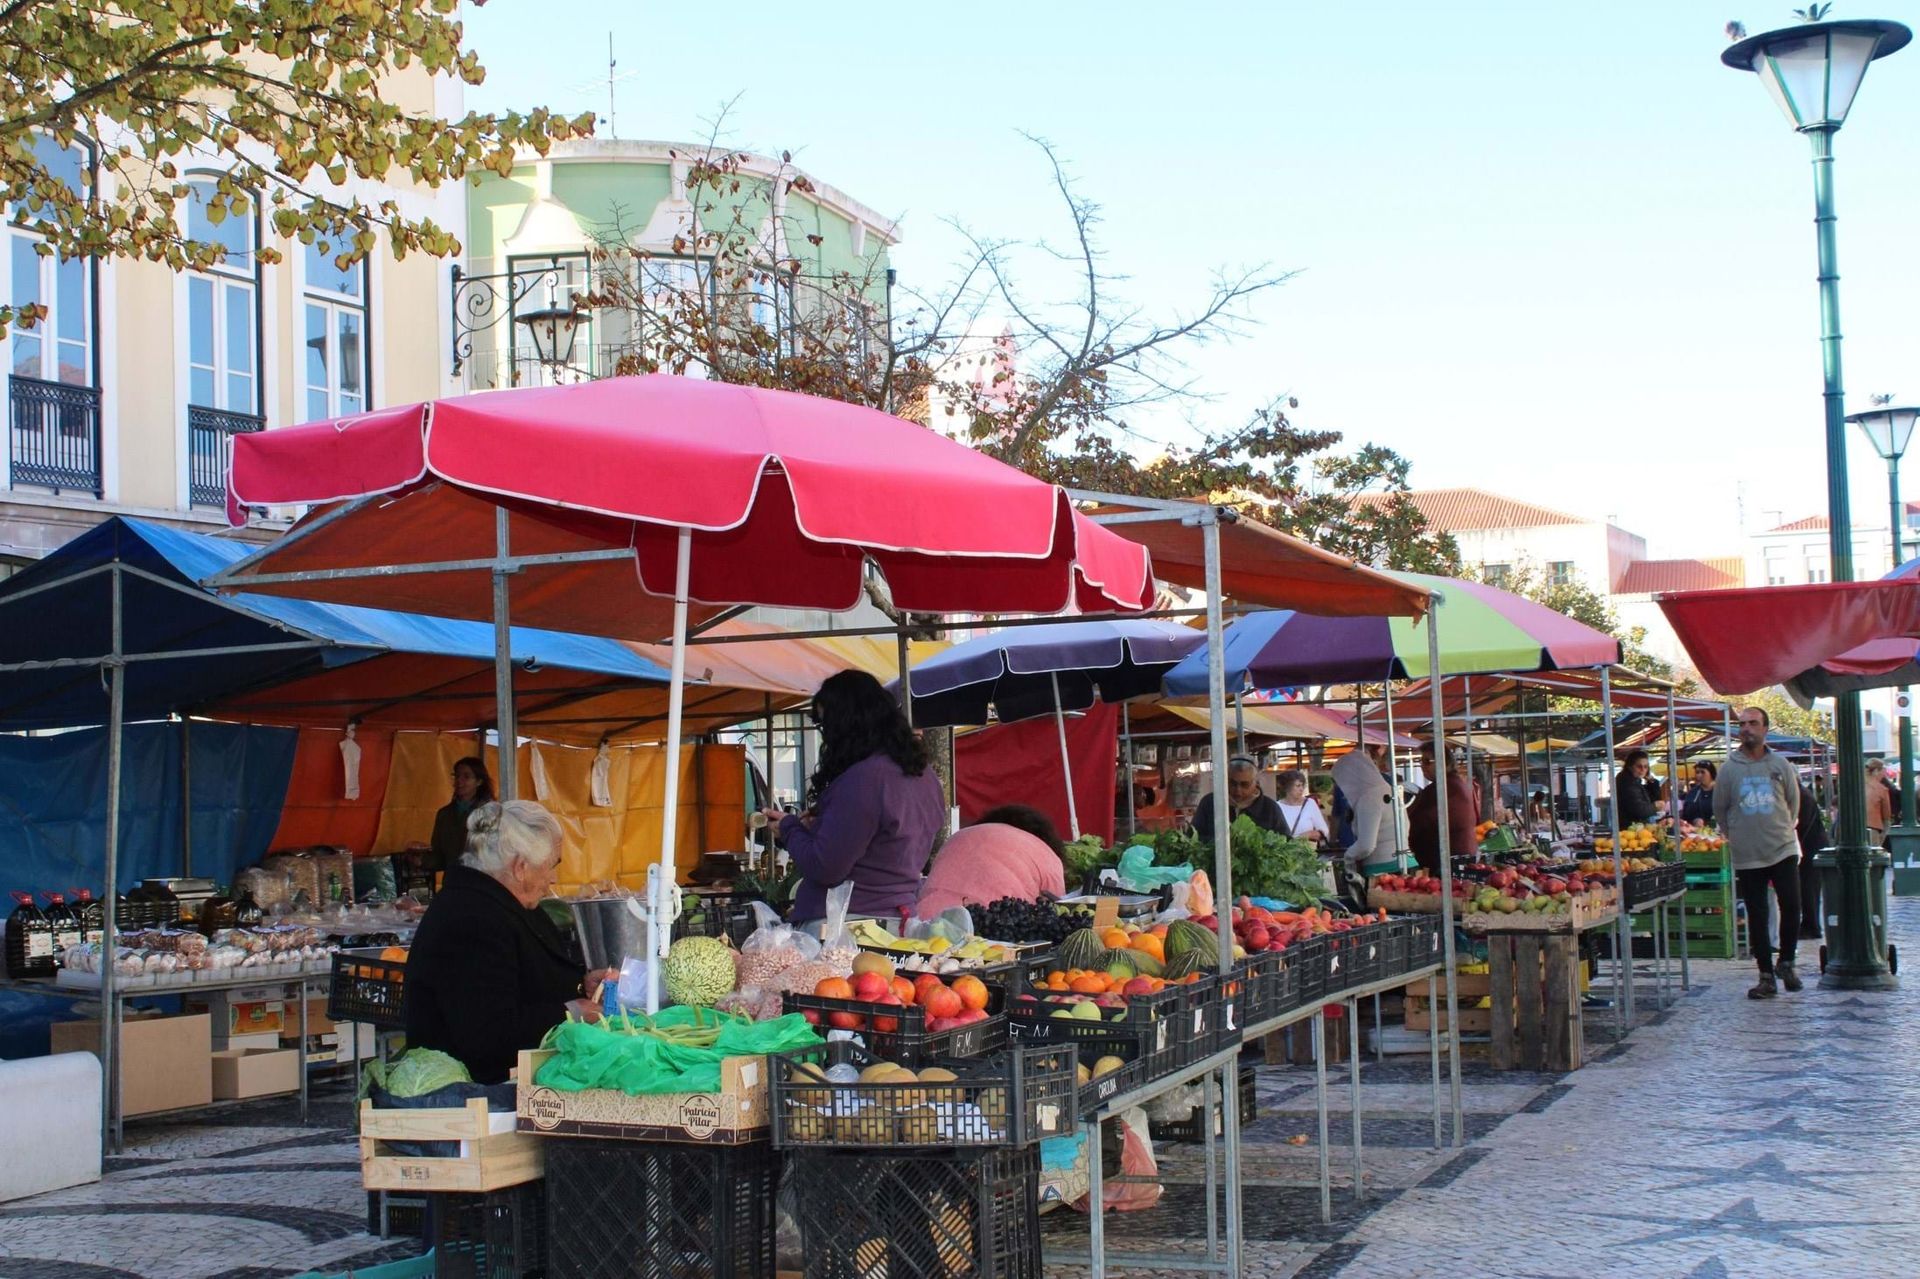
point(489, 1160)
point(1537, 1024)
point(1473, 1021)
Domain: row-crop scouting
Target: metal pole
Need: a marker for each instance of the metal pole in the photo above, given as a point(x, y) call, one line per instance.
point(661, 884)
point(1222, 867)
point(1353, 1085)
point(503, 717)
point(1904, 839)
point(1066, 761)
point(186, 796)
point(1622, 960)
point(906, 675)
point(1660, 945)
point(1239, 724)
point(1434, 604)
point(109, 986)
point(1854, 958)
point(1126, 762)
point(1393, 773)
point(1466, 707)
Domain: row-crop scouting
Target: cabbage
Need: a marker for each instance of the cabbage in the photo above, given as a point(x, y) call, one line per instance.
point(422, 1070)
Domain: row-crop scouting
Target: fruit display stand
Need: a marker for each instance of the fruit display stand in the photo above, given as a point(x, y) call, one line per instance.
point(1706, 911)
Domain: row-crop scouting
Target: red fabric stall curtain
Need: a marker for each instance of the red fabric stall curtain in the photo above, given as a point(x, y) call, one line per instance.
point(317, 810)
point(1020, 764)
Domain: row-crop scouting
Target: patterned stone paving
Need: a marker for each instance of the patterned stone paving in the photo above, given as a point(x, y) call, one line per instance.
point(1725, 1139)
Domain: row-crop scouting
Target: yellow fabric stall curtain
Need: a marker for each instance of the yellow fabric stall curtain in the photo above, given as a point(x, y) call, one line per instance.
point(603, 845)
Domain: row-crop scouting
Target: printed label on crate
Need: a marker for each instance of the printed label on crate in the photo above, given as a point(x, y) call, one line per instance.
point(1160, 1036)
point(700, 1116)
point(1046, 1117)
point(1231, 1012)
point(544, 1107)
point(1199, 1022)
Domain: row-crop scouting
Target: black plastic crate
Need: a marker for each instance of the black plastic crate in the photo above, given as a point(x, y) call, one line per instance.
point(1424, 947)
point(1093, 1095)
point(1226, 1011)
point(899, 1033)
point(1015, 1097)
point(501, 1234)
point(1260, 977)
point(726, 915)
point(1361, 957)
point(660, 1210)
point(395, 1214)
point(1645, 886)
point(1188, 1129)
point(368, 989)
point(1311, 971)
point(963, 1215)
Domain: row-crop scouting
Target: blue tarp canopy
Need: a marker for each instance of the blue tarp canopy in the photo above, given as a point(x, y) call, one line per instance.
point(310, 663)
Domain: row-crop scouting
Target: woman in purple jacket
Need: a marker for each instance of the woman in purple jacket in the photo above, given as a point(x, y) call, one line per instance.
point(873, 805)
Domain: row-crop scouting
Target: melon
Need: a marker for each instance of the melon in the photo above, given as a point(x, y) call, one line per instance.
point(1082, 948)
point(1185, 965)
point(1183, 935)
point(698, 971)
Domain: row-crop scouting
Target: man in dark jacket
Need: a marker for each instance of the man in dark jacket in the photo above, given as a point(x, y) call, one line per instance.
point(1423, 816)
point(489, 975)
point(1812, 834)
point(1244, 798)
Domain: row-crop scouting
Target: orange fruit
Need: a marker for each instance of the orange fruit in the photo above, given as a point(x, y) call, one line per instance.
point(1116, 939)
point(1088, 984)
point(1148, 944)
point(398, 953)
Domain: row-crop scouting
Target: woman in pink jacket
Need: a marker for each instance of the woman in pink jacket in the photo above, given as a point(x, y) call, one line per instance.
point(1012, 851)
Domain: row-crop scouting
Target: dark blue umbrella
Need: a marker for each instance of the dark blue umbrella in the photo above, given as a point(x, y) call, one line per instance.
point(1025, 671)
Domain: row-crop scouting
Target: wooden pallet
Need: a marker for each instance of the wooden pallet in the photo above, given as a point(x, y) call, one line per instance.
point(1537, 1024)
point(489, 1160)
point(1473, 1021)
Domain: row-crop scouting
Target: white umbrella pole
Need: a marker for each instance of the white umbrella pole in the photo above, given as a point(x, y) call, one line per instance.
point(661, 888)
point(1446, 857)
point(1393, 774)
point(506, 728)
point(1066, 764)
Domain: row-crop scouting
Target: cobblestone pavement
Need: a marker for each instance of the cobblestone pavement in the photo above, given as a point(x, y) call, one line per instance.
point(1725, 1138)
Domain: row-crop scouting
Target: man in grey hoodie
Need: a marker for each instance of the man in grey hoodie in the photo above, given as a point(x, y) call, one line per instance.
point(1756, 804)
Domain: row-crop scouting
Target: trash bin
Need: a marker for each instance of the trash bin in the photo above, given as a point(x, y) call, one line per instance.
point(1879, 867)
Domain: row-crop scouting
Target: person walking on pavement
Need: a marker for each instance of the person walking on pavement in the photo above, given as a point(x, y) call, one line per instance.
point(1756, 805)
point(1812, 834)
point(1879, 803)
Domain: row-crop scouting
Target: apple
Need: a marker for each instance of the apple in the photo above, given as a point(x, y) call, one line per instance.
point(868, 987)
point(846, 1021)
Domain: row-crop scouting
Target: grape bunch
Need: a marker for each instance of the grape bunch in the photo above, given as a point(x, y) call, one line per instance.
point(1017, 919)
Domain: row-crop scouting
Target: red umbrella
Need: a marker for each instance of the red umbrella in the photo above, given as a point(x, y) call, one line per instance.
point(628, 496)
point(1742, 640)
point(784, 496)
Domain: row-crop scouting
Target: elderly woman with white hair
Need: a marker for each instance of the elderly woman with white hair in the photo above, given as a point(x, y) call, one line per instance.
point(489, 974)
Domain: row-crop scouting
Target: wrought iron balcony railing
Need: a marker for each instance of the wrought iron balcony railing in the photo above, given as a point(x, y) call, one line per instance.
point(54, 435)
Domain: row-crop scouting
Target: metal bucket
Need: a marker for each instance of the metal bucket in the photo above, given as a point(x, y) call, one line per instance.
point(609, 931)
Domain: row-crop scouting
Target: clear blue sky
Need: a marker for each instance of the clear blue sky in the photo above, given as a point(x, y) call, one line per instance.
point(1555, 250)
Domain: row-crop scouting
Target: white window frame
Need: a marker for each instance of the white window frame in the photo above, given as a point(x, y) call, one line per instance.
point(334, 305)
point(221, 277)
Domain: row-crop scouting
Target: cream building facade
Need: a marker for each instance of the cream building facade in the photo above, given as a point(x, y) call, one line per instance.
point(124, 401)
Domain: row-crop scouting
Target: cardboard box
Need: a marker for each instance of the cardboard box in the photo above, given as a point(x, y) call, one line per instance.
point(248, 1010)
point(267, 1040)
point(328, 1047)
point(255, 1072)
point(735, 1115)
point(166, 1063)
point(491, 1153)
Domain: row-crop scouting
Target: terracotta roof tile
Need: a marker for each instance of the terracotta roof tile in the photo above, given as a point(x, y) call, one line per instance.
point(1813, 523)
point(1456, 510)
point(1646, 577)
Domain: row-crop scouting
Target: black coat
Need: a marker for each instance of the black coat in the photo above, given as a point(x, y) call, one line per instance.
point(449, 836)
point(1635, 798)
point(486, 977)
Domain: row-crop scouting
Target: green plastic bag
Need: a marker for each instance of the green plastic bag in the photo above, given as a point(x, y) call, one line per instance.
point(1138, 872)
point(603, 1055)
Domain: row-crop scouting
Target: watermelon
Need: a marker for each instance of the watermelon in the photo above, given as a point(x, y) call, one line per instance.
point(1187, 964)
point(1120, 964)
point(1081, 948)
point(1184, 935)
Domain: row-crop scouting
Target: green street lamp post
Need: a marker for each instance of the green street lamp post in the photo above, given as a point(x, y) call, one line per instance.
point(1812, 71)
point(1889, 430)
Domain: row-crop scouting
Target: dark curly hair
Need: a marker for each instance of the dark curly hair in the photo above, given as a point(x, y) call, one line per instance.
point(858, 718)
point(1029, 819)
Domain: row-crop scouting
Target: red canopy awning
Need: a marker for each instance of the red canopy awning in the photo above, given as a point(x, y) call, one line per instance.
point(1742, 640)
point(787, 496)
